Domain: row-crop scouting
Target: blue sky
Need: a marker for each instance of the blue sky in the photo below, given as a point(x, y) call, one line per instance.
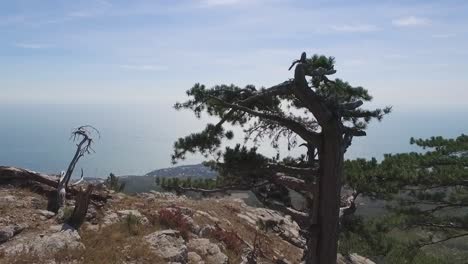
point(409, 54)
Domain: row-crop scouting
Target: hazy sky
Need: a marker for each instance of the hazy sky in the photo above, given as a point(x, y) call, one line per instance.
point(407, 53)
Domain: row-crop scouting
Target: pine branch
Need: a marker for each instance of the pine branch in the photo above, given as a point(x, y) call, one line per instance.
point(442, 240)
point(295, 126)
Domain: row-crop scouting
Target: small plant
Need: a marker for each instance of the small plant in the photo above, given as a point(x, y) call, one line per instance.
point(65, 213)
point(132, 224)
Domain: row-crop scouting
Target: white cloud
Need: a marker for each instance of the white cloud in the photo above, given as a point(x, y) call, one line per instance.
point(443, 35)
point(411, 21)
point(31, 46)
point(395, 56)
point(212, 3)
point(143, 67)
point(355, 28)
point(81, 14)
point(354, 63)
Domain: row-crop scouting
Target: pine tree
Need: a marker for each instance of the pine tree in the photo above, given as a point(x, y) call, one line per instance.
point(158, 181)
point(113, 183)
point(311, 109)
point(427, 191)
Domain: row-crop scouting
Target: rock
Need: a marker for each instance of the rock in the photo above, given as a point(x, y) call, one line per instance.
point(207, 215)
point(183, 214)
point(110, 218)
point(194, 258)
point(169, 245)
point(7, 199)
point(272, 220)
point(56, 228)
point(282, 261)
point(117, 196)
point(353, 259)
point(206, 231)
point(43, 244)
point(91, 213)
point(7, 232)
point(46, 214)
point(37, 203)
point(168, 196)
point(90, 227)
point(210, 252)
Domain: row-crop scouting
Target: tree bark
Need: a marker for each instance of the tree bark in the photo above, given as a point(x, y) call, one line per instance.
point(34, 179)
point(82, 201)
point(331, 166)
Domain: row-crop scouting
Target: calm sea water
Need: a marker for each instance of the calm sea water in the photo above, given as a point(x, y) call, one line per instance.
point(138, 138)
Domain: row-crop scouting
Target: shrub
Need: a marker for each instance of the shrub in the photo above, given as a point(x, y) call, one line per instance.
point(229, 238)
point(172, 217)
point(132, 224)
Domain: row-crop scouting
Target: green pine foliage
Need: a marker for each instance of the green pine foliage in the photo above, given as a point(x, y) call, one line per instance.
point(112, 182)
point(427, 202)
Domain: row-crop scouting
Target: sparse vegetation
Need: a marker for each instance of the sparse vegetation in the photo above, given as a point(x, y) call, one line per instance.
point(112, 182)
point(426, 195)
point(172, 217)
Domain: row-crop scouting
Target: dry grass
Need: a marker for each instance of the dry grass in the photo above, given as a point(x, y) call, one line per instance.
point(117, 243)
point(122, 242)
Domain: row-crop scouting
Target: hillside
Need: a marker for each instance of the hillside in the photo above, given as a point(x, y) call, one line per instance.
point(138, 184)
point(195, 171)
point(148, 228)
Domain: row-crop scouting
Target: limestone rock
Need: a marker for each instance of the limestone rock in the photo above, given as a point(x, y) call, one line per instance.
point(7, 199)
point(210, 252)
point(206, 231)
point(43, 244)
point(353, 259)
point(7, 232)
point(194, 258)
point(169, 245)
point(110, 218)
point(46, 214)
point(273, 221)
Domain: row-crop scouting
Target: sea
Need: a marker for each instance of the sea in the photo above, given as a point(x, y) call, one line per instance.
point(138, 138)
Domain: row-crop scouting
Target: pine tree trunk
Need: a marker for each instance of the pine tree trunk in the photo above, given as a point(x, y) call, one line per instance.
point(323, 236)
point(331, 163)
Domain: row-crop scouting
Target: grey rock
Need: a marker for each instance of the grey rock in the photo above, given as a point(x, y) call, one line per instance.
point(43, 244)
point(209, 252)
point(273, 221)
point(7, 199)
point(353, 259)
point(207, 215)
point(7, 232)
point(194, 258)
point(169, 245)
point(110, 218)
point(91, 213)
point(45, 213)
point(206, 231)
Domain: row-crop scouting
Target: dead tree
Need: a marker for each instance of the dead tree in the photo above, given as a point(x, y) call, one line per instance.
point(81, 207)
point(82, 135)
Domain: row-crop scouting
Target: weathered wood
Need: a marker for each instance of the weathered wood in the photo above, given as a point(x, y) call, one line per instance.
point(82, 201)
point(42, 183)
